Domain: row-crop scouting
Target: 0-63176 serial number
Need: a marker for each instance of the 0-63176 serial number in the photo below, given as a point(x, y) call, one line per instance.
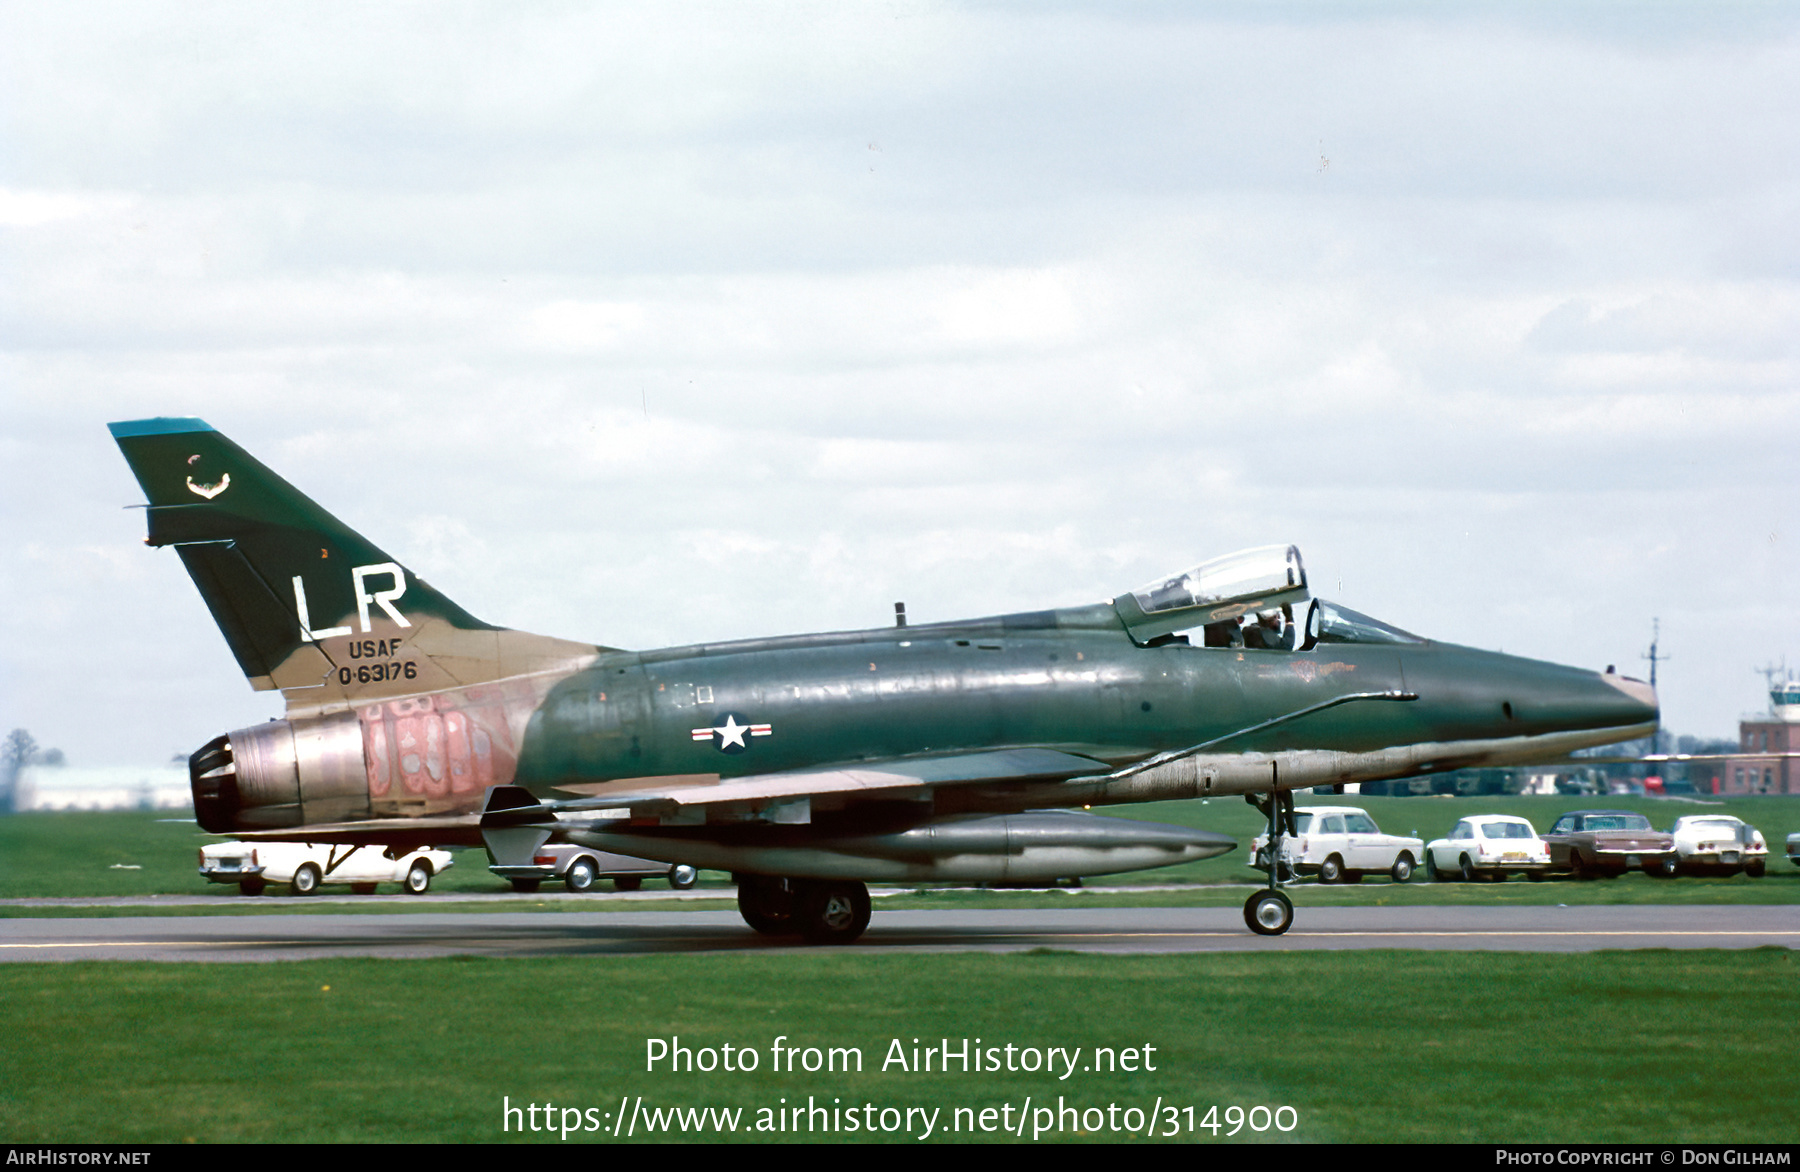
point(375, 673)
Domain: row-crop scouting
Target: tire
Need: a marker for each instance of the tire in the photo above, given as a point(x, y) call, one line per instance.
point(1468, 870)
point(1402, 871)
point(767, 905)
point(832, 912)
point(682, 876)
point(1755, 870)
point(1576, 870)
point(1268, 913)
point(418, 878)
point(525, 886)
point(251, 886)
point(1664, 869)
point(306, 879)
point(581, 875)
point(1331, 870)
point(627, 882)
point(1431, 869)
point(362, 889)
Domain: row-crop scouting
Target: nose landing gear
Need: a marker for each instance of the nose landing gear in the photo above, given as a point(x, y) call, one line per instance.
point(1270, 912)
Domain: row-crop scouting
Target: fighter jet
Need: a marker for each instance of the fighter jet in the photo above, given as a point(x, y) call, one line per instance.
point(810, 765)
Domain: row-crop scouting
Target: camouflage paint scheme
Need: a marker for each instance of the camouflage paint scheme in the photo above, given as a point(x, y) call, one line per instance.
point(404, 711)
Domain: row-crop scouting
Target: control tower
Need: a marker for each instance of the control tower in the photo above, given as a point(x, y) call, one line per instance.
point(1768, 743)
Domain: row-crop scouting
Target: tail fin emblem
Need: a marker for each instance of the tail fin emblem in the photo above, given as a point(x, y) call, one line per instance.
point(209, 491)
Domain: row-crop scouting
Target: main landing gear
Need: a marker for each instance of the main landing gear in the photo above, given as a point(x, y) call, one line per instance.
point(821, 911)
point(1270, 912)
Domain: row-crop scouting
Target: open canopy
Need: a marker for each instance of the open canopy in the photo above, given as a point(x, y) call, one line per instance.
point(1252, 598)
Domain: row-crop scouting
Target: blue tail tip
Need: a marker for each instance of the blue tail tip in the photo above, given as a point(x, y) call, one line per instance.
point(162, 425)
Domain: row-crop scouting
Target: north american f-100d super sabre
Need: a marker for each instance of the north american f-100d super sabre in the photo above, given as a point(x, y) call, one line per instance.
point(809, 765)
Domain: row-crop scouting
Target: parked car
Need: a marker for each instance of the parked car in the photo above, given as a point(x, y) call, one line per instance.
point(579, 867)
point(1607, 843)
point(1488, 846)
point(1793, 849)
point(1340, 844)
point(305, 866)
point(1720, 844)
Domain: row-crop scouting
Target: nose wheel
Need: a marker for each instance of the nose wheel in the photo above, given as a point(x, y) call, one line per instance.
point(1270, 912)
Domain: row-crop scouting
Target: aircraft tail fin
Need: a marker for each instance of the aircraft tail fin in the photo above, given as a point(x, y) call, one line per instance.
point(307, 604)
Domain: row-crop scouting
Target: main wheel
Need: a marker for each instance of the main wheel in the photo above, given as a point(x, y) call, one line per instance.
point(418, 878)
point(1431, 869)
point(250, 886)
point(1402, 869)
point(1468, 870)
point(1268, 913)
point(627, 882)
point(525, 886)
point(306, 879)
point(1755, 868)
point(1331, 870)
point(580, 875)
point(767, 904)
point(1576, 870)
point(682, 876)
point(1664, 868)
point(832, 911)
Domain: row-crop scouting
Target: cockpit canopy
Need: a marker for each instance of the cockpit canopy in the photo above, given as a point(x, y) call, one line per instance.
point(1252, 598)
point(1220, 590)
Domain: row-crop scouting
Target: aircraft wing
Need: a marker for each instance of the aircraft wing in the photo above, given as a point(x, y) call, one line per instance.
point(862, 778)
point(654, 796)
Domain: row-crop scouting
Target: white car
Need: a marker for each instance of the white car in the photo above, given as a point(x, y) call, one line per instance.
point(304, 866)
point(1340, 844)
point(1488, 846)
point(1719, 843)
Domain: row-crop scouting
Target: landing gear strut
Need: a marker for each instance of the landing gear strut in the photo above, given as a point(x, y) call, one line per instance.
point(1269, 912)
point(822, 911)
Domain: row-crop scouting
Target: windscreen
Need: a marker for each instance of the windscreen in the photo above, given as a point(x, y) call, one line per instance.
point(1506, 830)
point(1340, 624)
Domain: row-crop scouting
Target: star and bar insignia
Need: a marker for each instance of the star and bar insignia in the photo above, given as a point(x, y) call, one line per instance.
point(729, 736)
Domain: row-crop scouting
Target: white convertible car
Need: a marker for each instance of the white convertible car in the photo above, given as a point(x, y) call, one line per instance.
point(1719, 843)
point(1488, 846)
point(305, 866)
point(1340, 844)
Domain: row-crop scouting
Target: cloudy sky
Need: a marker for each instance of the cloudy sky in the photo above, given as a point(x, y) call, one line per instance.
point(645, 324)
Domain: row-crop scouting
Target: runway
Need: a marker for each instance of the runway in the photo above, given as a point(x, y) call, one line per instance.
point(1103, 930)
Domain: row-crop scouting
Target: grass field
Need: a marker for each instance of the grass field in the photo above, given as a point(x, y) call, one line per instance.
point(135, 853)
point(1365, 1047)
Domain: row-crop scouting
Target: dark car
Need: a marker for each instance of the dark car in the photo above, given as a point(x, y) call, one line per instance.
point(1607, 843)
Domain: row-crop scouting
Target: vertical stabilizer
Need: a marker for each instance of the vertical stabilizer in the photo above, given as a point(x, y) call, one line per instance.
point(307, 604)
